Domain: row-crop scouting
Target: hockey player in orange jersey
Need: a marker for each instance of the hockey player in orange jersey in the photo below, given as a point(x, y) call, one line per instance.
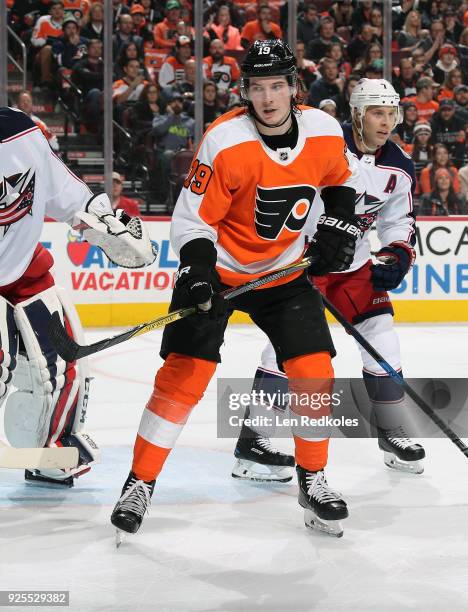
point(242, 213)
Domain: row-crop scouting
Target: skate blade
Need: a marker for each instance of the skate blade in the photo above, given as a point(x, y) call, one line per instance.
point(248, 470)
point(119, 537)
point(409, 467)
point(331, 528)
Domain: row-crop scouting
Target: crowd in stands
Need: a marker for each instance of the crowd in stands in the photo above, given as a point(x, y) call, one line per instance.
point(338, 42)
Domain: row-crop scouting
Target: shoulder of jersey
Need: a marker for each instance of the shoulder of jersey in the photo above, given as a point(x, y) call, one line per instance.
point(395, 156)
point(231, 126)
point(318, 123)
point(13, 122)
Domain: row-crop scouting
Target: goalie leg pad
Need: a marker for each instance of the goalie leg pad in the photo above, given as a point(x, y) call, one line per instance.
point(8, 346)
point(50, 403)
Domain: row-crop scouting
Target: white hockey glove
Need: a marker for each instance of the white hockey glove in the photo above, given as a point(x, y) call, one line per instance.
point(123, 239)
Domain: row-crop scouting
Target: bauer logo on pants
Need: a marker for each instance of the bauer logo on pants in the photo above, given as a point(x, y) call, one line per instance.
point(282, 207)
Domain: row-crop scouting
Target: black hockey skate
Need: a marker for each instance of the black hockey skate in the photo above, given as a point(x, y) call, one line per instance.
point(133, 504)
point(323, 507)
point(400, 452)
point(258, 460)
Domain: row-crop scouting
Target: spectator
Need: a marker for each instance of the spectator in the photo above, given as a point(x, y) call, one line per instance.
point(410, 36)
point(462, 49)
point(25, 104)
point(461, 102)
point(440, 159)
point(434, 41)
point(406, 129)
point(335, 52)
point(329, 86)
point(128, 205)
point(47, 29)
point(212, 108)
point(88, 75)
point(318, 47)
point(376, 21)
point(358, 44)
point(125, 35)
point(422, 149)
point(443, 200)
point(221, 69)
point(374, 70)
point(94, 29)
point(165, 32)
point(127, 51)
point(187, 85)
point(452, 80)
point(306, 69)
point(343, 108)
point(70, 47)
point(423, 99)
point(140, 26)
point(405, 82)
point(447, 62)
point(261, 28)
point(149, 106)
point(362, 14)
point(342, 13)
point(173, 69)
point(449, 130)
point(328, 106)
point(453, 28)
point(172, 132)
point(463, 176)
point(118, 8)
point(308, 25)
point(129, 88)
point(154, 13)
point(373, 52)
point(432, 11)
point(225, 31)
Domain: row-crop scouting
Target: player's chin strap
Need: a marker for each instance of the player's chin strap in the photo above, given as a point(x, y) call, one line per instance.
point(123, 239)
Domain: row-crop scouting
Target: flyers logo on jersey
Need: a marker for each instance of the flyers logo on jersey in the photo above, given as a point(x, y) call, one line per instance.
point(16, 199)
point(282, 207)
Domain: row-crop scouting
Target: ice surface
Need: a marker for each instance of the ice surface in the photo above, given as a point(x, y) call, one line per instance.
point(214, 543)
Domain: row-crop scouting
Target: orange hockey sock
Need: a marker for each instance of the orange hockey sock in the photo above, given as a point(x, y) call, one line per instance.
point(310, 374)
point(179, 386)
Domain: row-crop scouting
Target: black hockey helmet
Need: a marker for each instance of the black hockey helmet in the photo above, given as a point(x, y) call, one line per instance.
point(268, 58)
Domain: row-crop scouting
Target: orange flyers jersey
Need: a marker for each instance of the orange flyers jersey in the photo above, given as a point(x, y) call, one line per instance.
point(252, 201)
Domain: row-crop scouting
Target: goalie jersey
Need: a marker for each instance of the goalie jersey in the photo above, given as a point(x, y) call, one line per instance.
point(34, 183)
point(385, 197)
point(253, 202)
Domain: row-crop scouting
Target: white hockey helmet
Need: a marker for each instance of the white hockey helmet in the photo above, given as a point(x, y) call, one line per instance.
point(374, 92)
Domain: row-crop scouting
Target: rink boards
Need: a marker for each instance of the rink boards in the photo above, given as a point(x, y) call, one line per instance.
point(435, 290)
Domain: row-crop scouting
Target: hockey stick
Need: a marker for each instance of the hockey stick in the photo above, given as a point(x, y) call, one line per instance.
point(33, 458)
point(70, 350)
point(428, 411)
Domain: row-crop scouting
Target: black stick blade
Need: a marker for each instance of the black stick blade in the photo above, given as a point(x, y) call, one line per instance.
point(65, 346)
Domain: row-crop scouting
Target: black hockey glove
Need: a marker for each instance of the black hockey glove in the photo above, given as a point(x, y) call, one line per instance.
point(334, 242)
point(197, 280)
point(397, 258)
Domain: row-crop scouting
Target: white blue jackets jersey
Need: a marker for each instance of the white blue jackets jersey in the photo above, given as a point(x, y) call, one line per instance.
point(34, 183)
point(385, 197)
